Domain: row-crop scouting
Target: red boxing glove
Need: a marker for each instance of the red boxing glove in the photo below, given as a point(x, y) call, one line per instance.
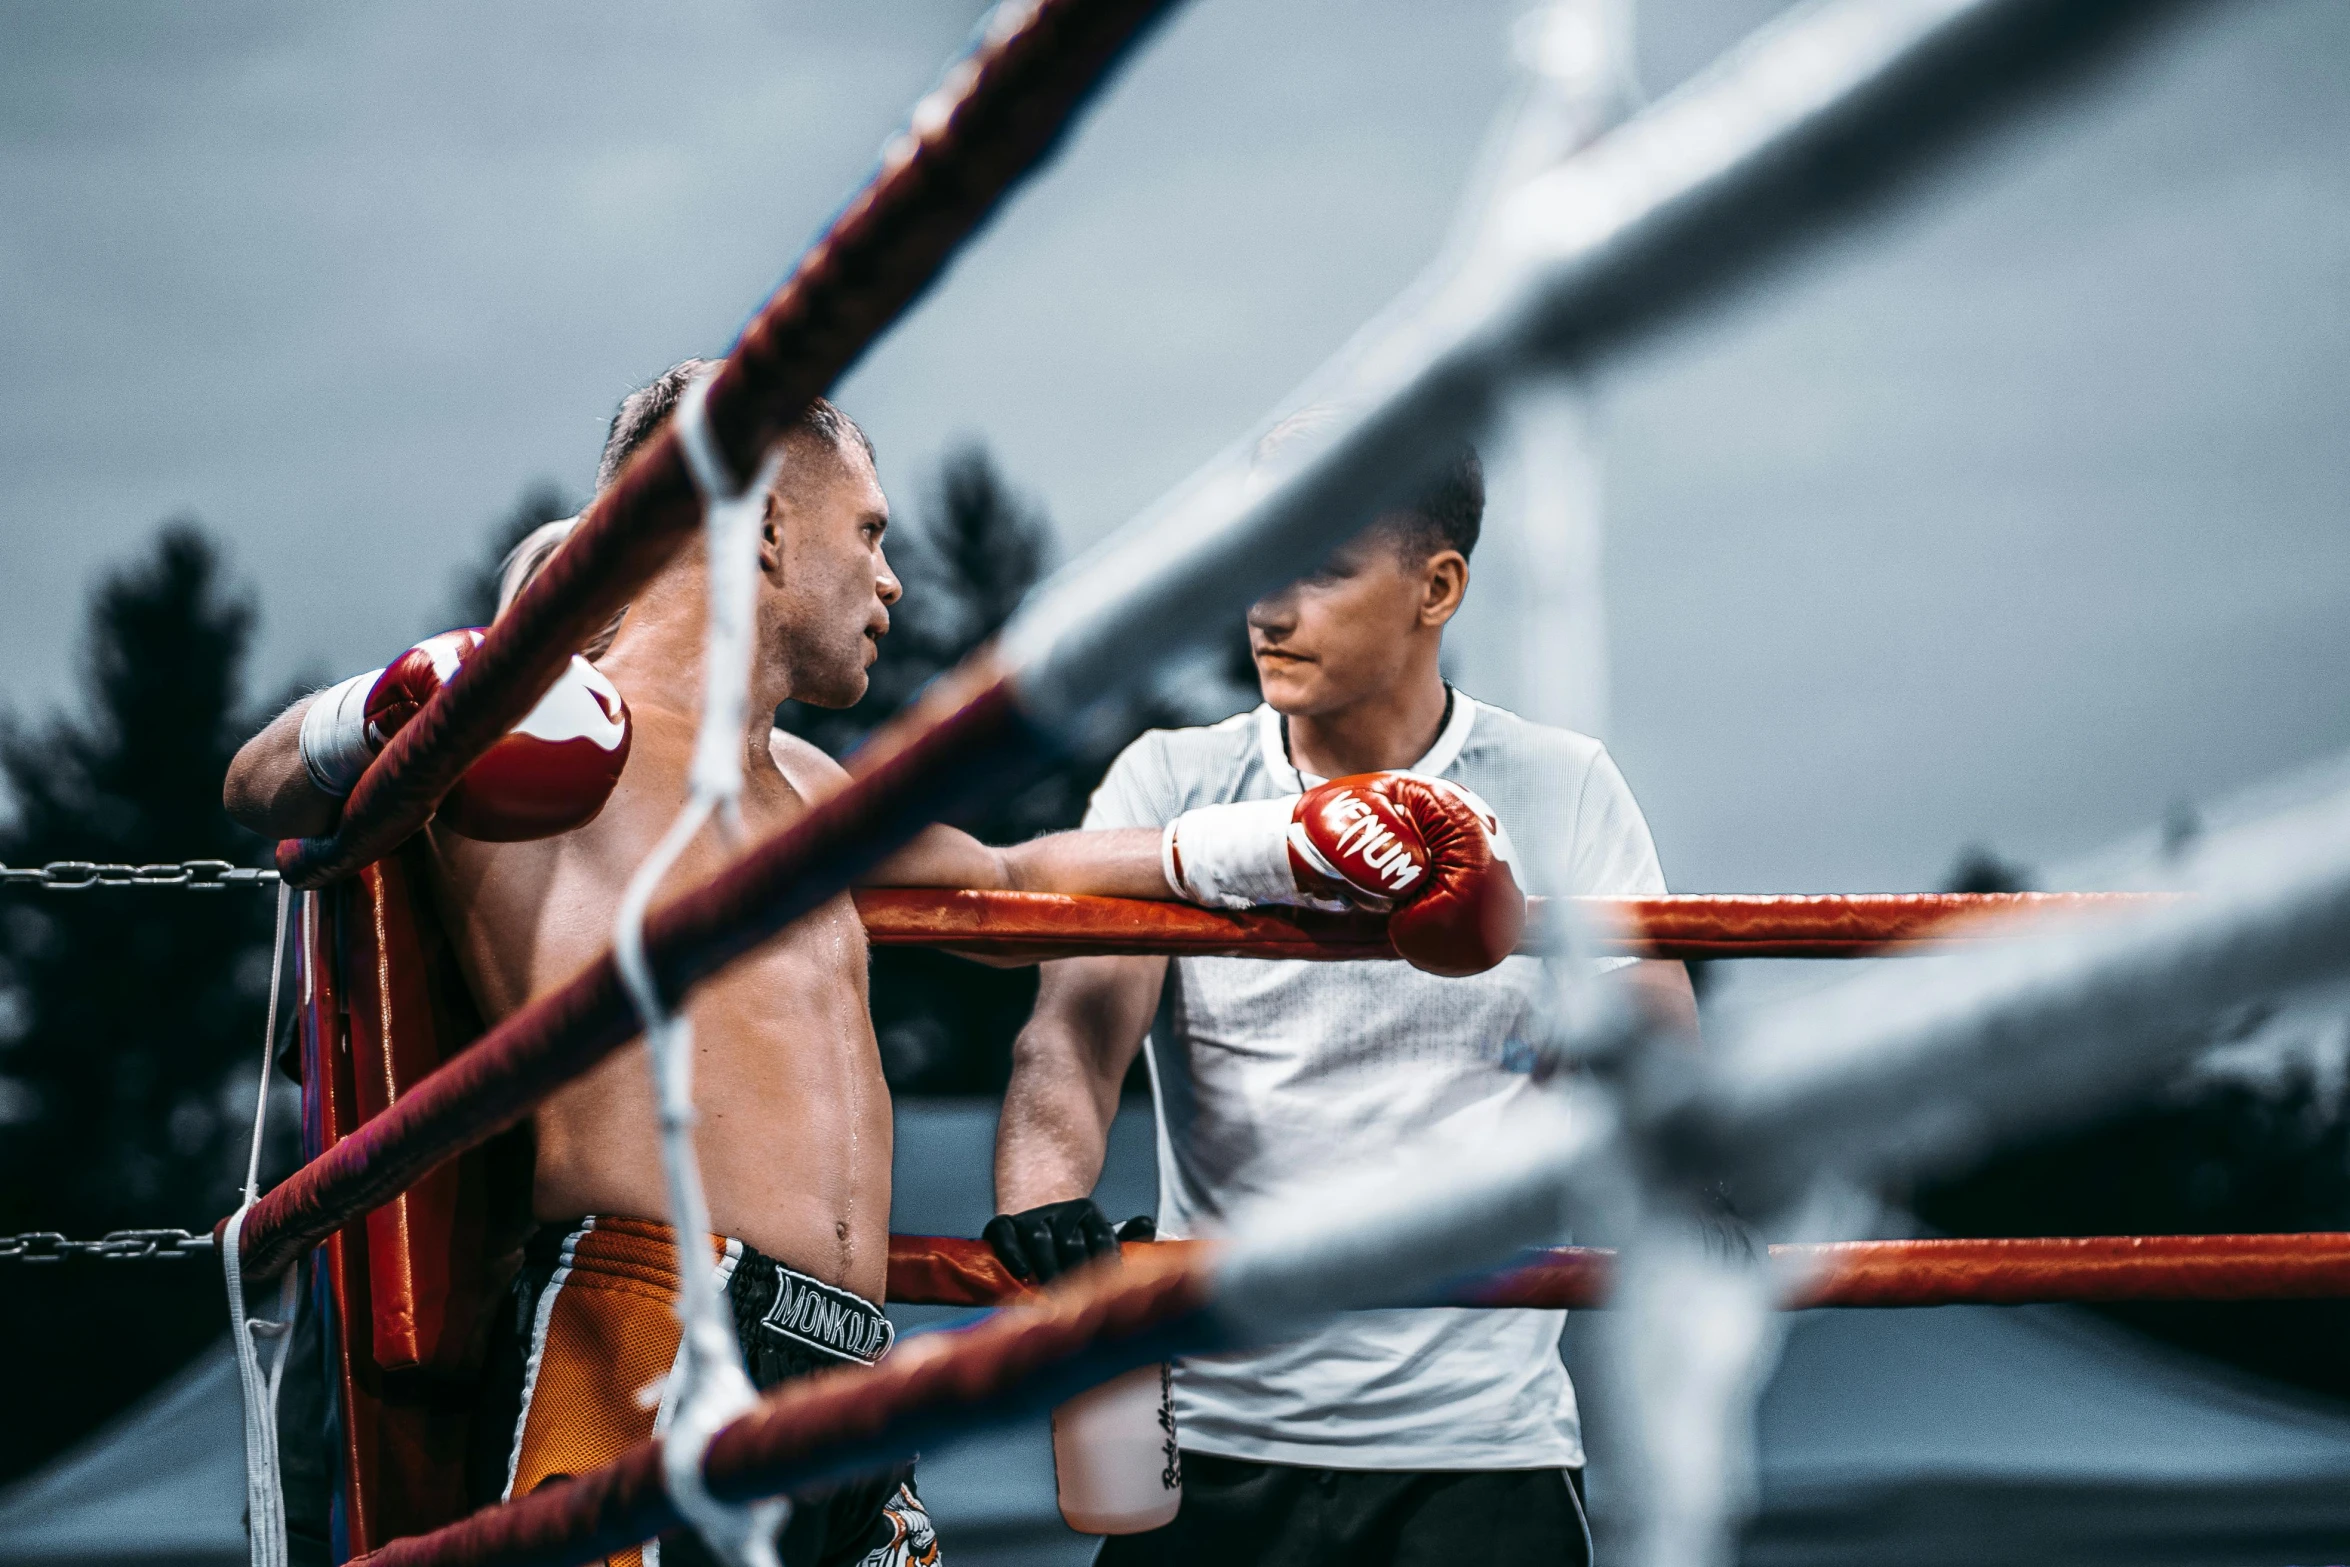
point(551, 773)
point(1427, 853)
point(1429, 850)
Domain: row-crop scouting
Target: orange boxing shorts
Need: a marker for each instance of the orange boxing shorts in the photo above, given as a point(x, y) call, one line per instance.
point(594, 1345)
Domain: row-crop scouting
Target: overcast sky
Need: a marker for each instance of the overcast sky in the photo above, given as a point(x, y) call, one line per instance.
point(2012, 519)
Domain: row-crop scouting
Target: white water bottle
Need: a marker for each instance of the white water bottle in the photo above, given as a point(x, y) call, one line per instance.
point(1115, 1464)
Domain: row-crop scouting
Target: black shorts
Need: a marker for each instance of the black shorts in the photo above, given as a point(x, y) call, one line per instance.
point(1238, 1513)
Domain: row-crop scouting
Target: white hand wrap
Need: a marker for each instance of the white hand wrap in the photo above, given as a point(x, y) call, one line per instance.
point(1231, 856)
point(334, 735)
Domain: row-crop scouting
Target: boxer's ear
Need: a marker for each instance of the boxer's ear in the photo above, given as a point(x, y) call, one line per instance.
point(771, 535)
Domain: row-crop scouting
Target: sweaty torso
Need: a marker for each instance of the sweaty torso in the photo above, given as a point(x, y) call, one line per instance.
point(794, 1136)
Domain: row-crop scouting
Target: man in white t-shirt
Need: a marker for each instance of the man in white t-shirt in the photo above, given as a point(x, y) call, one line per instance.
point(1400, 1437)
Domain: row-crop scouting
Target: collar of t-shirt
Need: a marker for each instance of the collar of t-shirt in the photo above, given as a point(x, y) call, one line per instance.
point(1294, 780)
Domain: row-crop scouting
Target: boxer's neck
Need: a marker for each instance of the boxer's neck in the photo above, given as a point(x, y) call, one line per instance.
point(659, 650)
point(1389, 729)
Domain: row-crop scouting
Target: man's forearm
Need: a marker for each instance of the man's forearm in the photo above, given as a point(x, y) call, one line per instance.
point(269, 791)
point(1053, 1137)
point(1120, 862)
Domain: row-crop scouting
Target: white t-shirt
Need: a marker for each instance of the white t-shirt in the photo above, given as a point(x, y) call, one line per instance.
point(1265, 1074)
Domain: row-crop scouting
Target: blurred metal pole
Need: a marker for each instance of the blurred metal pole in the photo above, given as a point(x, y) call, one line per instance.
point(1554, 545)
point(1577, 82)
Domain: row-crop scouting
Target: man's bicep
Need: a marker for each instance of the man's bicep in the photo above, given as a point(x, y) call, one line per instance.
point(939, 856)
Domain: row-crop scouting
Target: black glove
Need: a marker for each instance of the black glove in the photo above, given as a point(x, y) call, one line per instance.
point(1041, 1244)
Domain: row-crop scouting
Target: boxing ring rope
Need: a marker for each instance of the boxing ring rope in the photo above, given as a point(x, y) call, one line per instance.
point(1036, 927)
point(947, 1270)
point(1774, 146)
point(2274, 916)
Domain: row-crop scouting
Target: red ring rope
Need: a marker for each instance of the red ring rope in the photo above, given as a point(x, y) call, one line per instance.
point(1030, 926)
point(945, 1270)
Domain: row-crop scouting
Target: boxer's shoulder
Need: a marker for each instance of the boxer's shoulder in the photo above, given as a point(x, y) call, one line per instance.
point(804, 766)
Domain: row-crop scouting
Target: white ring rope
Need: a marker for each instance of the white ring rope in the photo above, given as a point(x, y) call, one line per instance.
point(709, 1387)
point(265, 1499)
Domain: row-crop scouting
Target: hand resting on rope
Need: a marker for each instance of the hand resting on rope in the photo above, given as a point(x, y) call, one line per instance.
point(553, 771)
point(1425, 851)
point(550, 774)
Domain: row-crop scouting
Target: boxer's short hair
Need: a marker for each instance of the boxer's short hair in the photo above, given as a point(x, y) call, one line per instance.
point(642, 411)
point(1446, 511)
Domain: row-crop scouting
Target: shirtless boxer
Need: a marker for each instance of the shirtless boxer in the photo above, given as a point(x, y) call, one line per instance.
point(795, 1130)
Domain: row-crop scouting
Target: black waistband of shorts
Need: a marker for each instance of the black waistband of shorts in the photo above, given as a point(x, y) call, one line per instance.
point(773, 1302)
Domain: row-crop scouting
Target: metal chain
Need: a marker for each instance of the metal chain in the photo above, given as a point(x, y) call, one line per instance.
point(39, 1246)
point(82, 875)
point(117, 1246)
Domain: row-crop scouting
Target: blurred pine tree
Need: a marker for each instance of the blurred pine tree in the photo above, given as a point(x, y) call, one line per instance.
point(129, 1019)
